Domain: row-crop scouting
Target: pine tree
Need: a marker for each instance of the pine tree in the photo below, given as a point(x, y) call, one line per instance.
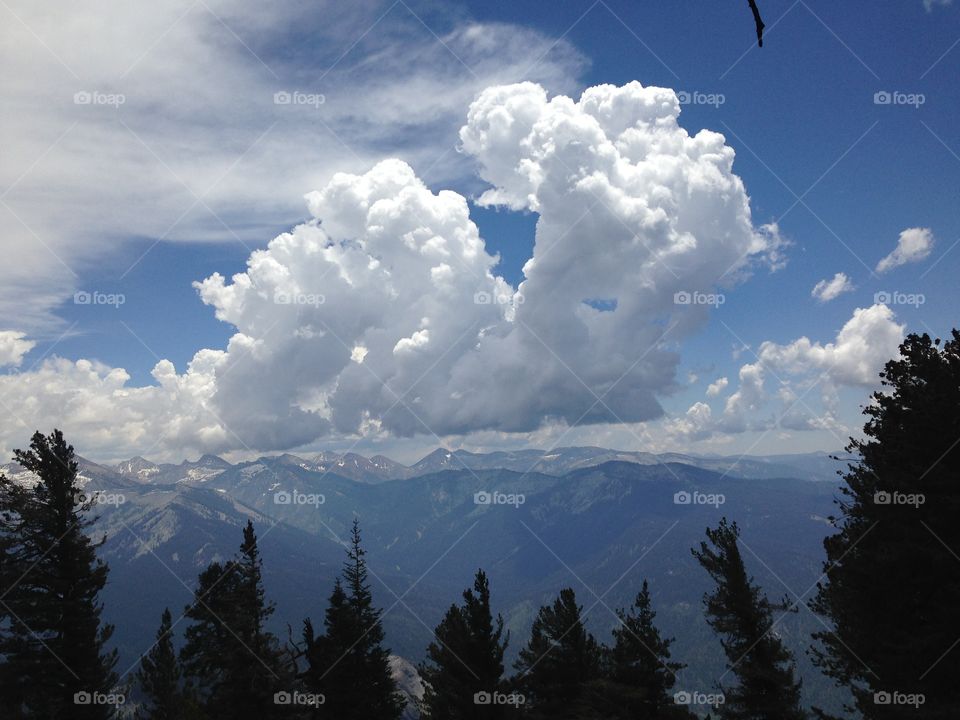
point(160, 679)
point(465, 663)
point(229, 658)
point(349, 664)
point(892, 585)
point(639, 673)
point(559, 663)
point(52, 650)
point(740, 613)
point(10, 686)
point(334, 670)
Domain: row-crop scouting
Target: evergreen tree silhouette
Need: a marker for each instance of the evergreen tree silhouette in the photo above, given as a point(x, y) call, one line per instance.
point(464, 667)
point(740, 613)
point(348, 664)
point(892, 584)
point(52, 654)
point(639, 674)
point(160, 679)
point(559, 663)
point(233, 663)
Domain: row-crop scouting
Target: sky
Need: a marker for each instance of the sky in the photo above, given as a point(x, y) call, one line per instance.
point(389, 226)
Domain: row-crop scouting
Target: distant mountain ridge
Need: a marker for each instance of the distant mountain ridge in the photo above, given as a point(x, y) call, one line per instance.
point(557, 462)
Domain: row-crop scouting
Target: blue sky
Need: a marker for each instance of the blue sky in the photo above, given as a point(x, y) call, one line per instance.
point(840, 174)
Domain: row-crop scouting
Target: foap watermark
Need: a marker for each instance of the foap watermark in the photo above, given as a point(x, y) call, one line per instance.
point(695, 697)
point(495, 497)
point(914, 700)
point(95, 97)
point(95, 297)
point(485, 298)
point(696, 97)
point(498, 698)
point(98, 698)
point(695, 297)
point(296, 697)
point(298, 498)
point(899, 298)
point(101, 497)
point(281, 297)
point(314, 100)
point(696, 497)
point(883, 497)
point(895, 97)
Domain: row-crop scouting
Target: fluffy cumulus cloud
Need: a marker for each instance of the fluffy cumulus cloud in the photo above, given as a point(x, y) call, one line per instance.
point(913, 246)
point(802, 370)
point(717, 387)
point(13, 346)
point(827, 290)
point(696, 424)
point(103, 415)
point(367, 317)
point(863, 345)
point(382, 315)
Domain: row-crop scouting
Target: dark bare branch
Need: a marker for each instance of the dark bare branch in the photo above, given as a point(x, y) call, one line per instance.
point(758, 20)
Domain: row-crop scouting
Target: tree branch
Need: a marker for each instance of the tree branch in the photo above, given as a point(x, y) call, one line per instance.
point(758, 20)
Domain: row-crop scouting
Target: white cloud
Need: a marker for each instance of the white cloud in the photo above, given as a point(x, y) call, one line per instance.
point(930, 4)
point(863, 345)
point(695, 424)
point(418, 340)
point(914, 245)
point(198, 150)
point(746, 401)
point(827, 290)
point(855, 358)
point(631, 209)
point(103, 416)
point(717, 387)
point(13, 346)
point(392, 255)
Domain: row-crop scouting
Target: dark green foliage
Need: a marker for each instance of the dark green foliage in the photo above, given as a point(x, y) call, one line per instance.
point(348, 664)
point(228, 658)
point(51, 638)
point(892, 585)
point(560, 663)
point(160, 679)
point(333, 668)
point(742, 616)
point(639, 674)
point(465, 663)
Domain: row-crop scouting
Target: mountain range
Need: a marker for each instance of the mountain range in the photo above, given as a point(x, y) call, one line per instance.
point(559, 461)
point(597, 520)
